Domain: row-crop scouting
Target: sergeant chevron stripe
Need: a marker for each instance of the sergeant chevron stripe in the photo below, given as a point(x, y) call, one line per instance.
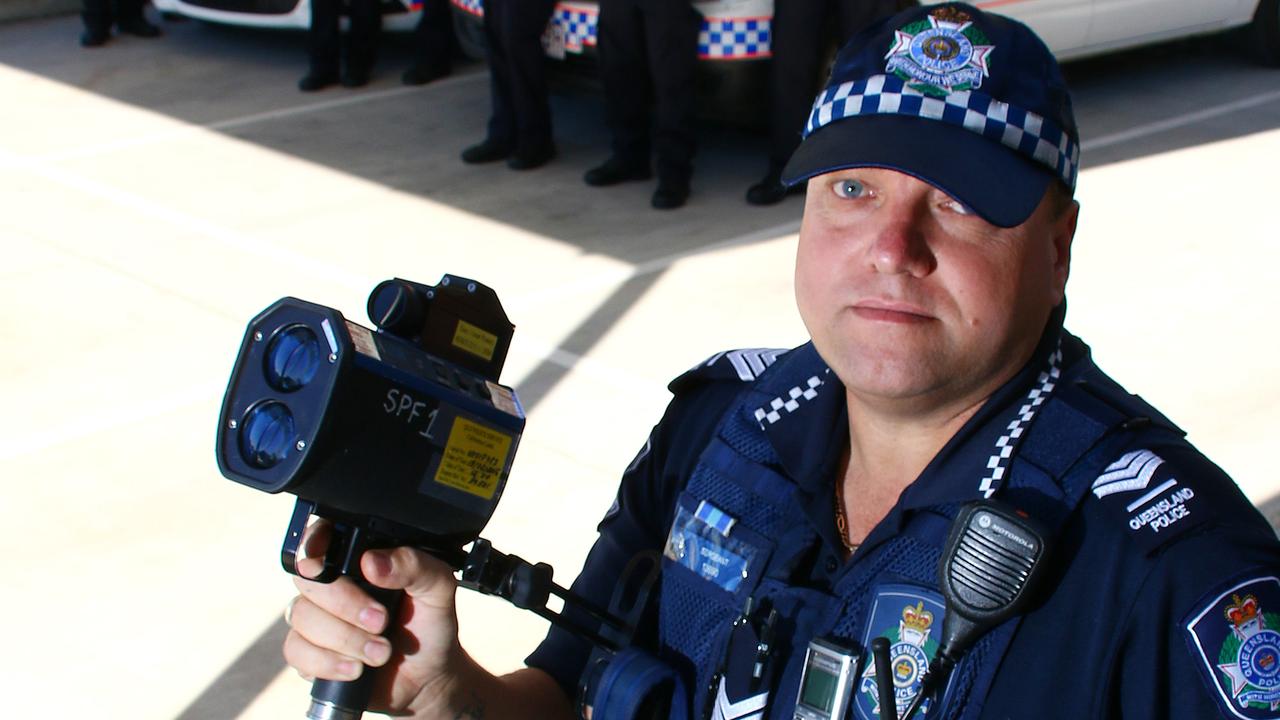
point(751, 708)
point(1131, 472)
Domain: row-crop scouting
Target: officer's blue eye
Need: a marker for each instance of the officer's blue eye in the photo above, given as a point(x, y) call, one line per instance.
point(848, 188)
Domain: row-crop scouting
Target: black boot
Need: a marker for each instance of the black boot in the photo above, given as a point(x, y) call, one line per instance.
point(486, 152)
point(617, 170)
point(672, 192)
point(530, 158)
point(423, 74)
point(94, 37)
point(138, 26)
point(355, 75)
point(318, 79)
point(770, 190)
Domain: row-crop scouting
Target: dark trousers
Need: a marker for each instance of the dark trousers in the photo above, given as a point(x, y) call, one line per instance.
point(433, 39)
point(648, 50)
point(99, 15)
point(517, 72)
point(325, 43)
point(800, 32)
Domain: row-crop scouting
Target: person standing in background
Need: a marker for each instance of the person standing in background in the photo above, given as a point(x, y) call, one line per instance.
point(519, 128)
point(99, 15)
point(326, 44)
point(433, 44)
point(798, 38)
point(646, 44)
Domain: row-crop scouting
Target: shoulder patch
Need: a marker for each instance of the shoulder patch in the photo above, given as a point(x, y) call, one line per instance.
point(1156, 501)
point(744, 365)
point(1234, 636)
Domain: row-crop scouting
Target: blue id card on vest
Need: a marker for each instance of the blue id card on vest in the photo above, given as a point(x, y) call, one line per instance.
point(703, 542)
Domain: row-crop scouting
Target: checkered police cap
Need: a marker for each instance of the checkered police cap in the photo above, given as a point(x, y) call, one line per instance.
point(970, 102)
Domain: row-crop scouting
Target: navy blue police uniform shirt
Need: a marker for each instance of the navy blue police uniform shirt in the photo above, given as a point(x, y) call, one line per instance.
point(1165, 596)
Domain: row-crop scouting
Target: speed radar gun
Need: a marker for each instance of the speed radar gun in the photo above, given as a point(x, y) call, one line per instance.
point(396, 435)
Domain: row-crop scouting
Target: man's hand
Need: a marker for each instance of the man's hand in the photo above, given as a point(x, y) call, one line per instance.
point(337, 628)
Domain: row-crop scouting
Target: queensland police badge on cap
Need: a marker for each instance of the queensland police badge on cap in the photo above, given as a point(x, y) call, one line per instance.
point(1236, 637)
point(942, 55)
point(909, 617)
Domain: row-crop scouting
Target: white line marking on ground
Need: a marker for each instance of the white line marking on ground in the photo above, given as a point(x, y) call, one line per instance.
point(556, 292)
point(181, 220)
point(70, 432)
point(573, 361)
point(286, 113)
point(1156, 128)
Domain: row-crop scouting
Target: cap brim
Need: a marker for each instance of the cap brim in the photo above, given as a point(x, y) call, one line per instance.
point(995, 182)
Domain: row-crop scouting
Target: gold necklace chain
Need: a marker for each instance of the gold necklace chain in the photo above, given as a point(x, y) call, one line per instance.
point(842, 523)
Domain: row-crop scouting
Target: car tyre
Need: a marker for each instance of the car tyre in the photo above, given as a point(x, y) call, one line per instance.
point(1264, 33)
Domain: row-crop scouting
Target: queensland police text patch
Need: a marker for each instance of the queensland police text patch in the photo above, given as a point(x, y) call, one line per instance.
point(1154, 501)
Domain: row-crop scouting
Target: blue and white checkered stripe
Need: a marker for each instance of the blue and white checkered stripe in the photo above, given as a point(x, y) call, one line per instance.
point(1025, 132)
point(715, 517)
point(790, 402)
point(998, 463)
point(734, 38)
point(475, 7)
point(579, 26)
point(718, 38)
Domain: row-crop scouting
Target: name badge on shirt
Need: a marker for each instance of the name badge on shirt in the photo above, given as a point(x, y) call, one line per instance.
point(702, 542)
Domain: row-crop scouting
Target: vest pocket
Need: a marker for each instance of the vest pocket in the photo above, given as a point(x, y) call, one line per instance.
point(705, 580)
point(715, 549)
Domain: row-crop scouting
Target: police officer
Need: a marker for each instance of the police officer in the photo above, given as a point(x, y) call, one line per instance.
point(333, 57)
point(99, 15)
point(806, 494)
point(647, 44)
point(519, 129)
point(433, 44)
point(798, 37)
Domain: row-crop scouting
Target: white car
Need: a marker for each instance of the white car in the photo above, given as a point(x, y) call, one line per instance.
point(738, 30)
point(735, 35)
point(734, 40)
point(284, 14)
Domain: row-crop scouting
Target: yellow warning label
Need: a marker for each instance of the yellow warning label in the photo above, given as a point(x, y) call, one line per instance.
point(473, 458)
point(474, 340)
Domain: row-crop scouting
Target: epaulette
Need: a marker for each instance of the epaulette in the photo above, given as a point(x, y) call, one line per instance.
point(1160, 488)
point(1160, 493)
point(741, 365)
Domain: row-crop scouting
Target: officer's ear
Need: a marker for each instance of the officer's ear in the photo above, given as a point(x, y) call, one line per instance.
point(1066, 213)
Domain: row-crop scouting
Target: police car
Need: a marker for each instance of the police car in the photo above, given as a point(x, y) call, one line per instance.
point(735, 33)
point(287, 14)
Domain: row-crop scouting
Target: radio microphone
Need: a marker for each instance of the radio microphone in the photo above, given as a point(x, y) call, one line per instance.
point(992, 561)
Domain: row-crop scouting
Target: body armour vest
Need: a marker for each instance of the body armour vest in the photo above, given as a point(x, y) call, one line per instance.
point(742, 546)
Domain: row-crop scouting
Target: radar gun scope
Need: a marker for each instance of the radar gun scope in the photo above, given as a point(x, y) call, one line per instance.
point(405, 424)
point(399, 435)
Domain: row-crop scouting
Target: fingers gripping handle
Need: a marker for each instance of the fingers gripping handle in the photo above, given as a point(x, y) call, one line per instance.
point(339, 699)
point(348, 699)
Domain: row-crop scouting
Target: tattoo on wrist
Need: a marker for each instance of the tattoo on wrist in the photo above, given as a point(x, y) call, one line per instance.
point(473, 710)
